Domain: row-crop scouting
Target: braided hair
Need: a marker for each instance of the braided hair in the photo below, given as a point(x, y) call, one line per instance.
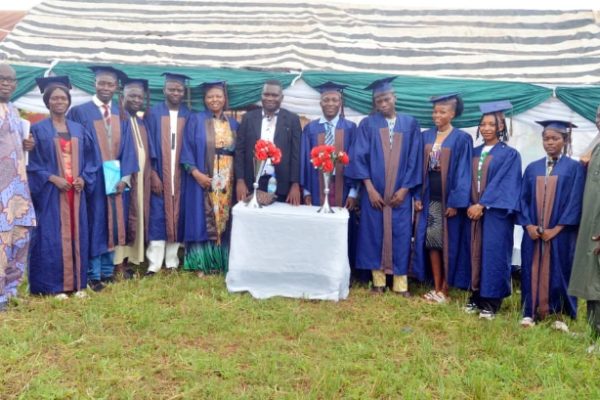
point(500, 121)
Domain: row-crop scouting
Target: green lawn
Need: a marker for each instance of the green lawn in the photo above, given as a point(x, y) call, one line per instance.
point(180, 337)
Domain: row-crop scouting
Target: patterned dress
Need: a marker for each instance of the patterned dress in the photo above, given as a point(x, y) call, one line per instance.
point(16, 209)
point(211, 256)
point(435, 221)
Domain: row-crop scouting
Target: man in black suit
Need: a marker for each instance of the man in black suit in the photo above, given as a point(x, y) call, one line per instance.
point(277, 125)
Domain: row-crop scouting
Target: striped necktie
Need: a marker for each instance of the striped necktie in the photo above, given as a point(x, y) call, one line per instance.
point(550, 164)
point(328, 133)
point(106, 114)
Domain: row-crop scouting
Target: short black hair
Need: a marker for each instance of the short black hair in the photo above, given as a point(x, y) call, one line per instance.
point(48, 92)
point(273, 82)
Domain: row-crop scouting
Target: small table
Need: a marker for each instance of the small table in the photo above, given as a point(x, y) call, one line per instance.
point(282, 250)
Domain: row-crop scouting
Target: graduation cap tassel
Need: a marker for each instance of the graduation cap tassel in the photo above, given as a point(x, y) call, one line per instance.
point(122, 111)
point(568, 146)
point(147, 100)
point(188, 95)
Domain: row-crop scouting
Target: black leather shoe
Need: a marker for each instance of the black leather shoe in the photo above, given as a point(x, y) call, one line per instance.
point(377, 289)
point(128, 274)
point(107, 279)
point(96, 285)
point(149, 274)
point(404, 294)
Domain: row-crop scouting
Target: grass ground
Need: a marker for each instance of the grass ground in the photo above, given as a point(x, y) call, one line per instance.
point(180, 337)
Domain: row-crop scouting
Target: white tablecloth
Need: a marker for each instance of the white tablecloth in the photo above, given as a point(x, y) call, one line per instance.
point(281, 250)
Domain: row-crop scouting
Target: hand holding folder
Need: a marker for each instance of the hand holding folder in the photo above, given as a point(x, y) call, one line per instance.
point(112, 175)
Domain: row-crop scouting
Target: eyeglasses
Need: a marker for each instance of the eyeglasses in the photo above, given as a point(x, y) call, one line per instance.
point(7, 79)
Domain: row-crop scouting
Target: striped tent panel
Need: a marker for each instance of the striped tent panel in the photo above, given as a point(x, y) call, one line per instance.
point(537, 46)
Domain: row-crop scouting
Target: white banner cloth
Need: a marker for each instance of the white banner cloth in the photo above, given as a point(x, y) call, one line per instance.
point(281, 250)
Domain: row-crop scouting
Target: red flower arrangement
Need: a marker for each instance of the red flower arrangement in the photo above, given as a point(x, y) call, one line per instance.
point(264, 149)
point(325, 157)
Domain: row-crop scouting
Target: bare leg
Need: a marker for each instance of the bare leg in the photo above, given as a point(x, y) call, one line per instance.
point(435, 258)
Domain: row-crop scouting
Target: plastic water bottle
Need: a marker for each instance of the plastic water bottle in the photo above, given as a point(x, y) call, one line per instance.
point(272, 185)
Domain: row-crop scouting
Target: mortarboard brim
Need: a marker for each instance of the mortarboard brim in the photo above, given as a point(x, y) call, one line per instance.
point(557, 125)
point(435, 99)
point(495, 107)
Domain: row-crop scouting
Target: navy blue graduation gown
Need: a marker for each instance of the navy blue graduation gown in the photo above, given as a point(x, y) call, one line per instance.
point(546, 269)
point(491, 237)
point(456, 173)
point(108, 215)
point(59, 259)
point(165, 211)
point(311, 179)
point(384, 237)
point(195, 153)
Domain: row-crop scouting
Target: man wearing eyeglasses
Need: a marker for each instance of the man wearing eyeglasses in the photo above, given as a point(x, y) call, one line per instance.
point(17, 216)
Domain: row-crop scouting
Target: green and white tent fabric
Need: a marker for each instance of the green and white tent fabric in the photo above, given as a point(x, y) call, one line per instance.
point(531, 57)
point(535, 46)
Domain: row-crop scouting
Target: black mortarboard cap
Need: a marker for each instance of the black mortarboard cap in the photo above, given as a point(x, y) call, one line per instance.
point(459, 103)
point(136, 81)
point(44, 83)
point(495, 106)
point(169, 76)
point(557, 125)
point(383, 85)
point(330, 87)
point(107, 69)
point(207, 85)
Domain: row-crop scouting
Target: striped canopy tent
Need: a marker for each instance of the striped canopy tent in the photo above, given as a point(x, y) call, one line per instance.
point(552, 47)
point(530, 57)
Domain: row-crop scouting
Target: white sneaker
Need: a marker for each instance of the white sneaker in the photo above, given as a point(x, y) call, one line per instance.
point(61, 296)
point(486, 314)
point(81, 294)
point(560, 326)
point(471, 308)
point(429, 295)
point(593, 349)
point(527, 322)
point(440, 298)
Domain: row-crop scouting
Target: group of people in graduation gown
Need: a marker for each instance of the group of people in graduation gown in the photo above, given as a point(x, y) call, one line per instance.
point(431, 206)
point(444, 234)
point(67, 178)
point(108, 208)
point(466, 203)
